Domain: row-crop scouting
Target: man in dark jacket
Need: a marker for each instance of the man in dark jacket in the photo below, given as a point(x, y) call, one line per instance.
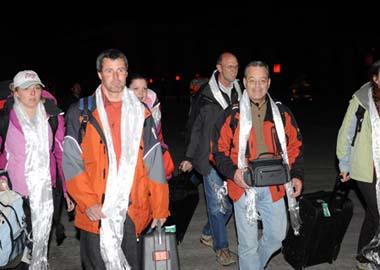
point(222, 90)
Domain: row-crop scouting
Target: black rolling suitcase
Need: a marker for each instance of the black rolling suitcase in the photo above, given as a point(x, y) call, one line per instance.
point(184, 198)
point(325, 217)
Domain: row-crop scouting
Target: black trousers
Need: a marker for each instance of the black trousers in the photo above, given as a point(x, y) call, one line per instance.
point(371, 218)
point(90, 248)
point(58, 203)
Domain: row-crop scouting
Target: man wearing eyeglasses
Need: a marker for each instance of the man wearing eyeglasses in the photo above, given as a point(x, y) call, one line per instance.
point(221, 91)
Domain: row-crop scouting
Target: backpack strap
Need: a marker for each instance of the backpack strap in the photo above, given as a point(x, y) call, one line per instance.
point(86, 107)
point(4, 123)
point(234, 124)
point(234, 121)
point(85, 112)
point(53, 122)
point(359, 120)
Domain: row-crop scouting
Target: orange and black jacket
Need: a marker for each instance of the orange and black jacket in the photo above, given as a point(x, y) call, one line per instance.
point(85, 167)
point(225, 146)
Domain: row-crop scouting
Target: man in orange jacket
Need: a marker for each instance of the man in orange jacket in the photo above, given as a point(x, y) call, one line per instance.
point(261, 127)
point(113, 169)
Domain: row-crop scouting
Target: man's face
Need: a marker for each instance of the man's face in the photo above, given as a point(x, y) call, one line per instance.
point(257, 83)
point(76, 89)
point(228, 68)
point(113, 74)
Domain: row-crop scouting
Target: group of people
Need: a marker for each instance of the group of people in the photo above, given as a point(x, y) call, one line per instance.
point(234, 128)
point(232, 146)
point(111, 162)
point(114, 164)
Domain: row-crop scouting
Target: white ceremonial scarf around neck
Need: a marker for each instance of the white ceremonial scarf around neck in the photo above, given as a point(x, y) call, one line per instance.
point(375, 125)
point(155, 110)
point(120, 178)
point(218, 94)
point(38, 180)
point(245, 130)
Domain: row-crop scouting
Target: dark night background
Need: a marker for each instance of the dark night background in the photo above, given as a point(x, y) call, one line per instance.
point(331, 47)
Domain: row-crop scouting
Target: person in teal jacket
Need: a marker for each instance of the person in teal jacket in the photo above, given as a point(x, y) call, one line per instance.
point(356, 160)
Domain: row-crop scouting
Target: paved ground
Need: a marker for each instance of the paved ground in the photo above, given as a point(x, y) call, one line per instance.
point(319, 138)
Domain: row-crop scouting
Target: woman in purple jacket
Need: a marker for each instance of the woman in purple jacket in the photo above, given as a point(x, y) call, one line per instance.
point(32, 149)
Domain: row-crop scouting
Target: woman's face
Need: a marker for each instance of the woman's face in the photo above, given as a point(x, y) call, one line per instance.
point(376, 79)
point(29, 97)
point(140, 88)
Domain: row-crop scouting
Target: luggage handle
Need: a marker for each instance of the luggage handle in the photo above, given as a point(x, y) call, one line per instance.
point(159, 228)
point(339, 187)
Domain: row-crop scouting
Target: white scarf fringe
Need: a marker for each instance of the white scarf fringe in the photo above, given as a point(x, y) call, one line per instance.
point(245, 129)
point(38, 180)
point(292, 202)
point(155, 110)
point(120, 179)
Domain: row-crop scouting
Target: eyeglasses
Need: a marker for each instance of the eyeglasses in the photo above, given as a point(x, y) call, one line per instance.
point(258, 82)
point(231, 67)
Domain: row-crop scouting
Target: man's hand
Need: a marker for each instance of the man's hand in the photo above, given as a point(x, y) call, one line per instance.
point(345, 176)
point(4, 184)
point(185, 166)
point(239, 178)
point(70, 204)
point(154, 222)
point(297, 184)
point(94, 212)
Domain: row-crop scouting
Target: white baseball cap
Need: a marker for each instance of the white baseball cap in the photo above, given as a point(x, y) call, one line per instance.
point(26, 78)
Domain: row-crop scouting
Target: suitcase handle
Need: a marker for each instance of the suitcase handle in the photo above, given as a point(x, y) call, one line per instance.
point(159, 229)
point(341, 189)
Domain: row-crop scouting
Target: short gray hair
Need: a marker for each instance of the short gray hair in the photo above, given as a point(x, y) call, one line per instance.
point(256, 64)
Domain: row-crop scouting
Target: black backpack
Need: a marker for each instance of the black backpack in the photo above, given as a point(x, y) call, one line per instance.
point(4, 122)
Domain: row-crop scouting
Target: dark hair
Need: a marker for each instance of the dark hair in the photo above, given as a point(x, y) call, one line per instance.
point(111, 54)
point(257, 64)
point(374, 70)
point(135, 76)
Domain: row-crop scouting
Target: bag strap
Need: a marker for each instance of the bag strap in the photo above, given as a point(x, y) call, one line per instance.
point(266, 154)
point(4, 123)
point(359, 120)
point(14, 211)
point(86, 107)
point(53, 122)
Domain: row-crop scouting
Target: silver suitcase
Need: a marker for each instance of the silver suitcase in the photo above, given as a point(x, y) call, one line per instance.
point(160, 249)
